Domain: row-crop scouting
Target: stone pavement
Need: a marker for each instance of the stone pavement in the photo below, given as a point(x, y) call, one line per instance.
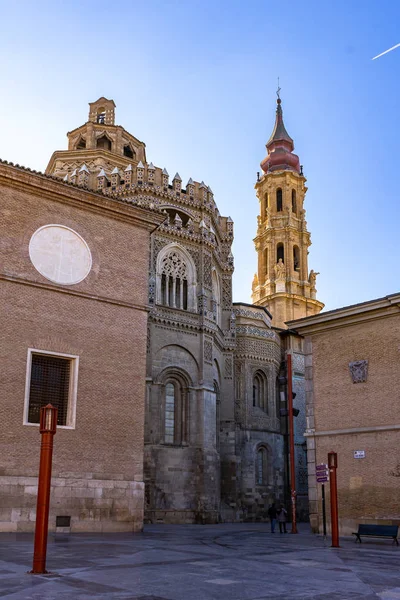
point(200, 562)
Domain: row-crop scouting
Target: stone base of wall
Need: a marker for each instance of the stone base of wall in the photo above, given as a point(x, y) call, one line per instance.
point(94, 505)
point(180, 517)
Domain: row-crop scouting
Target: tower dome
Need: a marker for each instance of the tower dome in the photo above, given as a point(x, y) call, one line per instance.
point(280, 147)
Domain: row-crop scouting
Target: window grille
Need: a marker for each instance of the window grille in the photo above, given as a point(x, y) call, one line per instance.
point(50, 382)
point(169, 413)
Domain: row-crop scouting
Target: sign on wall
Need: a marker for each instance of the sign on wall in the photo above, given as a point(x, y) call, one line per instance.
point(359, 453)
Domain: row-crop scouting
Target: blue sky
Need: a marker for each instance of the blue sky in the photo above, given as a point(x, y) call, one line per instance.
point(196, 82)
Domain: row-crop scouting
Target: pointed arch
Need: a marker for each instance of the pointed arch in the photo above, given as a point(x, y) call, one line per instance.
point(176, 278)
point(104, 141)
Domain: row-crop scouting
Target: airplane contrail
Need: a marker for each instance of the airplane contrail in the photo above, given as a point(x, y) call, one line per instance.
point(386, 51)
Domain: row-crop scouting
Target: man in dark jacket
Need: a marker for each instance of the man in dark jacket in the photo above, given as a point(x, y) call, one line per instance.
point(272, 512)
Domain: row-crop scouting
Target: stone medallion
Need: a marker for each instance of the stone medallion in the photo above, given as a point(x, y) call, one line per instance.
point(60, 254)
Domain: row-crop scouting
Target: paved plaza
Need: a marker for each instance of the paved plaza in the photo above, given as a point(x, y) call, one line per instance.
point(195, 562)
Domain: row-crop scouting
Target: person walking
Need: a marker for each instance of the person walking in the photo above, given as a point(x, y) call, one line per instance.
point(282, 518)
point(272, 512)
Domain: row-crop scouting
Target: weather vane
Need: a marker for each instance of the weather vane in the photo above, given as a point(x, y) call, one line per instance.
point(278, 90)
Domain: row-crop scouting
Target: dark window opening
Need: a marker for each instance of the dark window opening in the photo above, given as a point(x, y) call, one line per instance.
point(128, 152)
point(104, 143)
point(294, 205)
point(279, 206)
point(296, 258)
point(50, 382)
point(101, 116)
point(280, 253)
point(81, 144)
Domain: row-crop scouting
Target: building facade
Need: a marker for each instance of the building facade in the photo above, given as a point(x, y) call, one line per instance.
point(214, 442)
point(352, 357)
point(74, 297)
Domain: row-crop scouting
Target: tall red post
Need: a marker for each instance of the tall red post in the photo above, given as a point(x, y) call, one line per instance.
point(291, 443)
point(332, 464)
point(48, 426)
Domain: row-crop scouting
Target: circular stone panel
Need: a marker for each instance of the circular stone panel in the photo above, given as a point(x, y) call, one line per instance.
point(60, 254)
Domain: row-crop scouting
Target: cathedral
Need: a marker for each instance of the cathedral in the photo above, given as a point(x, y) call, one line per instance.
point(215, 433)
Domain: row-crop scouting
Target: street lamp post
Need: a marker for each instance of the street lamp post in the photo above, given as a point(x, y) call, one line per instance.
point(293, 492)
point(332, 464)
point(48, 426)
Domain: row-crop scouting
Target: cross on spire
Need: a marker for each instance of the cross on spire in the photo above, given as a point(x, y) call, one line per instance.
point(278, 90)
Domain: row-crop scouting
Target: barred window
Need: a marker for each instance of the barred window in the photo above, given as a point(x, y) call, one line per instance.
point(51, 379)
point(262, 467)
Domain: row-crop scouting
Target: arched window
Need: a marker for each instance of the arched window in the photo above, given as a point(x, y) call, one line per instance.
point(101, 116)
point(296, 258)
point(262, 466)
point(266, 262)
point(104, 143)
point(294, 205)
point(279, 206)
point(174, 411)
point(280, 252)
point(128, 152)
point(81, 145)
point(176, 279)
point(260, 391)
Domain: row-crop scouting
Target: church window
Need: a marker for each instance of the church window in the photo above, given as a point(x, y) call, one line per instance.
point(294, 204)
point(169, 413)
point(262, 466)
point(101, 116)
point(52, 379)
point(104, 143)
point(280, 252)
point(128, 152)
point(175, 279)
point(296, 258)
point(260, 391)
point(279, 205)
point(81, 145)
point(174, 411)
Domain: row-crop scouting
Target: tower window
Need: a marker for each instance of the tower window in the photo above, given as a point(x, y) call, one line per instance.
point(101, 116)
point(296, 258)
point(279, 206)
point(81, 144)
point(175, 394)
point(128, 152)
point(280, 252)
point(104, 143)
point(266, 201)
point(294, 204)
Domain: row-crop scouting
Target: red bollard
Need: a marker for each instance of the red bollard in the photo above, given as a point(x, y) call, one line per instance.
point(332, 464)
point(48, 426)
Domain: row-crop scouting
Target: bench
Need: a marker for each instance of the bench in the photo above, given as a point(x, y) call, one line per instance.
point(383, 531)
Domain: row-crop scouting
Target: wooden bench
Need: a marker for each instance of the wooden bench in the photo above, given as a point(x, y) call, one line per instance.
point(383, 531)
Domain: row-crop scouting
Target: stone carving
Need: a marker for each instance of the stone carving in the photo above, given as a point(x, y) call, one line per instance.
point(280, 270)
point(258, 349)
point(249, 330)
point(173, 264)
point(228, 367)
point(152, 289)
point(359, 371)
point(208, 351)
point(313, 278)
point(207, 271)
point(226, 292)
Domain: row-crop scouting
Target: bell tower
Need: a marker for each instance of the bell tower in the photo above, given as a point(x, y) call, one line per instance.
point(283, 283)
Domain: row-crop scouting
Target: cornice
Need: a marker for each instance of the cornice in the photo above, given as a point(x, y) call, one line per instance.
point(372, 310)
